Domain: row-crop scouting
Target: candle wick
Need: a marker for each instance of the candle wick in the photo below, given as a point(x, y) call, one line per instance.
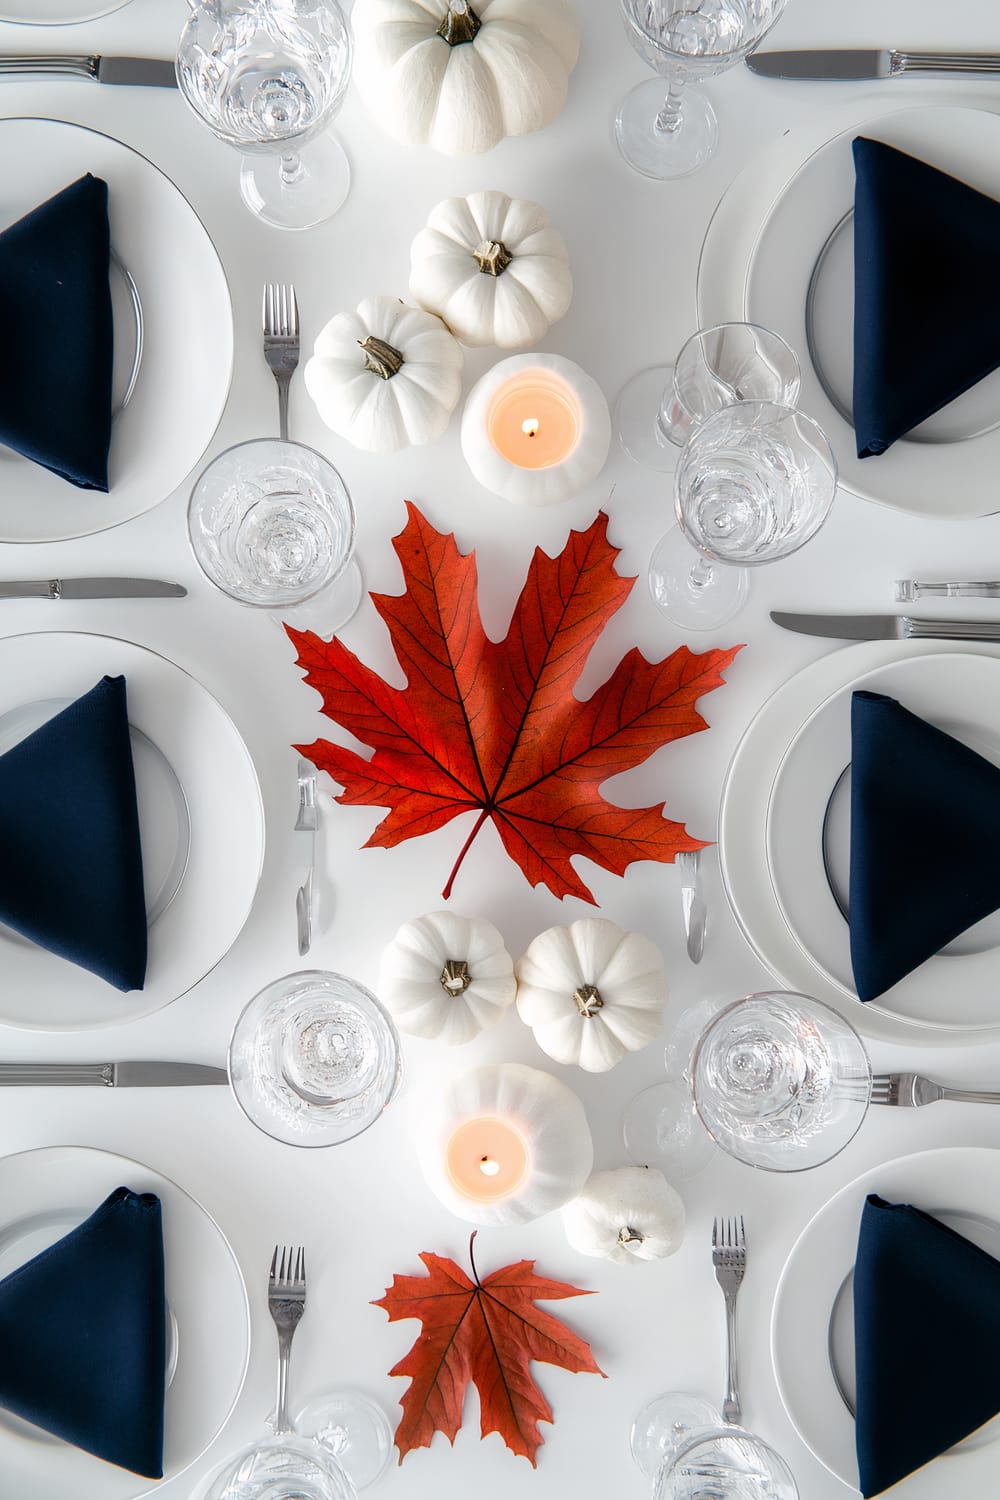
point(530, 426)
point(488, 1167)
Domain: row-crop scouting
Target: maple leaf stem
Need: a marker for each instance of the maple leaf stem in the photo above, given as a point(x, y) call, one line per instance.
point(463, 852)
point(472, 1257)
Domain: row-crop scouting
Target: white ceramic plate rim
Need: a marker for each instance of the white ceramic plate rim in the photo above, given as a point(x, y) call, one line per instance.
point(75, 11)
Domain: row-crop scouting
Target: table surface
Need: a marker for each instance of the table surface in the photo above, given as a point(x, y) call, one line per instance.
point(362, 1209)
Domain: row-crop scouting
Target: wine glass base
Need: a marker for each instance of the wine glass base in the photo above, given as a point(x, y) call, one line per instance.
point(329, 610)
point(663, 1425)
point(353, 1429)
point(664, 154)
point(690, 600)
point(636, 427)
point(661, 1129)
point(300, 198)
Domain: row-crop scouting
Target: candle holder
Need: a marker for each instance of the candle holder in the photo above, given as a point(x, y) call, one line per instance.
point(536, 429)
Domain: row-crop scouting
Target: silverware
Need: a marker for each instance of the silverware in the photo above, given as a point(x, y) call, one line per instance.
point(887, 627)
point(90, 588)
point(306, 822)
point(112, 1075)
point(281, 343)
point(908, 589)
point(286, 1302)
point(150, 72)
point(868, 62)
point(692, 905)
point(729, 1257)
point(912, 1090)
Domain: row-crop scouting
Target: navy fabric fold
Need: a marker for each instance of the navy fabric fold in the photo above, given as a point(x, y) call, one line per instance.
point(55, 308)
point(70, 854)
point(83, 1335)
point(926, 1334)
point(926, 325)
point(918, 797)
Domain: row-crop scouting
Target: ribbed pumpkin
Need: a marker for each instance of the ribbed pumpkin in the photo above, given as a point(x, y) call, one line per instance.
point(447, 977)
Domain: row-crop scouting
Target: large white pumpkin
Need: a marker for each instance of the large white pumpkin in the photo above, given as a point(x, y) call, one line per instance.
point(625, 1215)
point(447, 977)
point(386, 376)
point(493, 268)
point(460, 78)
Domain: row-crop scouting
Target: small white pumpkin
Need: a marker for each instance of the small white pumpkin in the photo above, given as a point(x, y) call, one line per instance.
point(440, 73)
point(591, 992)
point(493, 268)
point(625, 1215)
point(387, 376)
point(447, 977)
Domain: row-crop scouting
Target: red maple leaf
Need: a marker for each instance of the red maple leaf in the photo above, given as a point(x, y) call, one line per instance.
point(486, 1332)
point(496, 725)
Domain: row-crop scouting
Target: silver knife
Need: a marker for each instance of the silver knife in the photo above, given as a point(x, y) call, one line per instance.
point(114, 1075)
point(152, 72)
point(90, 588)
point(868, 62)
point(887, 627)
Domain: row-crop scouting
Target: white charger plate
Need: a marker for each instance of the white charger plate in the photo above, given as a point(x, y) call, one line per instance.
point(44, 1194)
point(812, 1344)
point(213, 838)
point(57, 12)
point(187, 330)
point(808, 838)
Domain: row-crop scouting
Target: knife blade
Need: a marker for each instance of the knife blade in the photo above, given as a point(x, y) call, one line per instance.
point(867, 62)
point(90, 588)
point(112, 1075)
point(149, 72)
point(886, 627)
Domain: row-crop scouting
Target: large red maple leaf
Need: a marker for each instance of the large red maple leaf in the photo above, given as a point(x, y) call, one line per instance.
point(496, 726)
point(486, 1332)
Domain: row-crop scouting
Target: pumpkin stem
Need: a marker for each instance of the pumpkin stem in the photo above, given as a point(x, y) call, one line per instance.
point(455, 977)
point(629, 1236)
point(493, 257)
point(459, 23)
point(588, 1000)
point(381, 358)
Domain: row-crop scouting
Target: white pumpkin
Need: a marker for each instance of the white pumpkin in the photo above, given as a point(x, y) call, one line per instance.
point(447, 977)
point(387, 376)
point(591, 992)
point(625, 1215)
point(493, 268)
point(459, 79)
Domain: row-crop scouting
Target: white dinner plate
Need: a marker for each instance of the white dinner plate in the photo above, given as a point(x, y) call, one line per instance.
point(201, 823)
point(57, 12)
point(812, 1344)
point(808, 838)
point(187, 331)
point(947, 467)
point(46, 1193)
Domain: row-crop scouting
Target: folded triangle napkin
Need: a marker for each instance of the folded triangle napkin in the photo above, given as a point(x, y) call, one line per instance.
point(915, 792)
point(926, 325)
point(70, 856)
point(926, 1335)
point(83, 1335)
point(55, 397)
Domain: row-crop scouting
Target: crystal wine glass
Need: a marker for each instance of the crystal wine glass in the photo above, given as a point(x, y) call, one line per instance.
point(754, 483)
point(724, 1463)
point(660, 1126)
point(268, 76)
point(271, 524)
point(657, 410)
point(683, 40)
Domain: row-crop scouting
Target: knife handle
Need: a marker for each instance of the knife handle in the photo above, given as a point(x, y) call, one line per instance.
point(942, 62)
point(950, 630)
point(73, 67)
point(74, 1075)
point(908, 589)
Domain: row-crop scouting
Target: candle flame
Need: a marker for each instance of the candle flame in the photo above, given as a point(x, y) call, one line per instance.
point(488, 1167)
point(530, 426)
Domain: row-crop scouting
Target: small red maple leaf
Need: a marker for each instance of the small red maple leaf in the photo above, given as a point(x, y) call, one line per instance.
point(496, 726)
point(486, 1332)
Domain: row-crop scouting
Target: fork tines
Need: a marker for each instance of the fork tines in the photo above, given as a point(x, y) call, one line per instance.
point(885, 1088)
point(289, 1278)
point(729, 1245)
point(280, 311)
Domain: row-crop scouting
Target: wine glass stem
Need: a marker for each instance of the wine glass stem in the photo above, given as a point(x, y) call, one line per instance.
point(701, 575)
point(291, 170)
point(669, 118)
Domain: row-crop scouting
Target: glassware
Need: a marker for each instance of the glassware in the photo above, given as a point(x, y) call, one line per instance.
point(683, 40)
point(754, 483)
point(660, 1127)
point(657, 410)
point(271, 524)
point(725, 1463)
point(314, 1059)
point(268, 76)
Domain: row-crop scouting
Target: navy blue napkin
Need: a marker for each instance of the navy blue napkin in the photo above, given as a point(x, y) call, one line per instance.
point(83, 1335)
point(926, 1336)
point(926, 322)
point(55, 309)
point(70, 857)
point(925, 830)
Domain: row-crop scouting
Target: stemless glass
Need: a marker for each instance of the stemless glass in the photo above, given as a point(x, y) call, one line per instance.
point(754, 483)
point(725, 1463)
point(271, 523)
point(658, 409)
point(268, 76)
point(683, 40)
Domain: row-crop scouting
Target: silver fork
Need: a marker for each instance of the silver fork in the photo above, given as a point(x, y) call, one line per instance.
point(911, 1090)
point(286, 1302)
point(692, 903)
point(281, 342)
point(729, 1257)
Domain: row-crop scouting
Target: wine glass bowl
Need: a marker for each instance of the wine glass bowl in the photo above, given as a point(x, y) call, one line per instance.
point(724, 1463)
